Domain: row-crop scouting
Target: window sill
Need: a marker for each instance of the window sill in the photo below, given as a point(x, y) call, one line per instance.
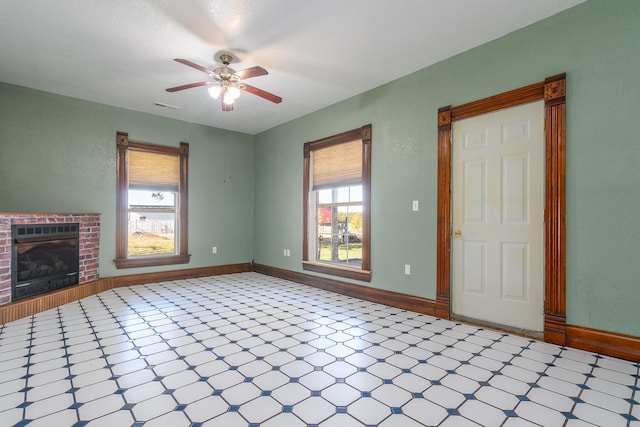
point(346, 272)
point(152, 261)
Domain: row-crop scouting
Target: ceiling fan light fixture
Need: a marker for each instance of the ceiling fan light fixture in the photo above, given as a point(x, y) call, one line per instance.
point(215, 91)
point(233, 91)
point(227, 84)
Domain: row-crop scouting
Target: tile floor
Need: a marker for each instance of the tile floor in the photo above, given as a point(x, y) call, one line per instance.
point(253, 350)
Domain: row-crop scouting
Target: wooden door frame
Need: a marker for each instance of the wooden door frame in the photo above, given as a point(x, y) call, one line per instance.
point(553, 91)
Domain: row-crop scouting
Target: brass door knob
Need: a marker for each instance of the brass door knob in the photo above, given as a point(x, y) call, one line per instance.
point(457, 233)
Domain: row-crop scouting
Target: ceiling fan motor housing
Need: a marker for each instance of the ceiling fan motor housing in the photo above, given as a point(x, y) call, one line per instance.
point(226, 59)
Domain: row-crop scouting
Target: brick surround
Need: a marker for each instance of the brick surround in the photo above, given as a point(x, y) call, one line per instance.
point(89, 241)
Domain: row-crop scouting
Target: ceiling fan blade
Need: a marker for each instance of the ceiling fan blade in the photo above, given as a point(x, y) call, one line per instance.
point(193, 65)
point(251, 72)
point(261, 93)
point(225, 107)
point(189, 86)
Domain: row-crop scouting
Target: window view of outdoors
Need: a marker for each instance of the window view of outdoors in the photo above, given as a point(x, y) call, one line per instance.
point(152, 221)
point(339, 225)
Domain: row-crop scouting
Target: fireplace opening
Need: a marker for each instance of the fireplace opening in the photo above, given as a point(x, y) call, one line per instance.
point(45, 257)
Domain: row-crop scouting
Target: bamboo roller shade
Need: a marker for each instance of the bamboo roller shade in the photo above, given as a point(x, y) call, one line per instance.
point(154, 171)
point(337, 164)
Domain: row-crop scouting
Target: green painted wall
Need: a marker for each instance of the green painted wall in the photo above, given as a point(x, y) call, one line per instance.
point(57, 154)
point(258, 211)
point(596, 44)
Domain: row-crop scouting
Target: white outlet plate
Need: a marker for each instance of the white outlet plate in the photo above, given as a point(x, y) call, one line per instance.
point(407, 269)
point(214, 250)
point(416, 205)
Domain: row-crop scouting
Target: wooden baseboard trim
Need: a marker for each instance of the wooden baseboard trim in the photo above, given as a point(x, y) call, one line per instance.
point(603, 342)
point(393, 299)
point(189, 273)
point(555, 329)
point(29, 306)
point(607, 343)
point(593, 340)
point(442, 307)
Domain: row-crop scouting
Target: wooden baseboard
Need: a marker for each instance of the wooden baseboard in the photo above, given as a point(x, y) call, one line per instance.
point(603, 342)
point(606, 343)
point(393, 299)
point(189, 273)
point(443, 307)
point(593, 340)
point(29, 306)
point(555, 329)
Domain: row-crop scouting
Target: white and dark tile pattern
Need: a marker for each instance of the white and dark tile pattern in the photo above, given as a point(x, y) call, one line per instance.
point(253, 350)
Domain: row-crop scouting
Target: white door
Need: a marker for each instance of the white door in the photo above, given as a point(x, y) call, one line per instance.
point(498, 217)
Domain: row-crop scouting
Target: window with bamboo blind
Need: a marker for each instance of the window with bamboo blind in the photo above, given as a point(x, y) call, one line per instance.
point(337, 218)
point(152, 201)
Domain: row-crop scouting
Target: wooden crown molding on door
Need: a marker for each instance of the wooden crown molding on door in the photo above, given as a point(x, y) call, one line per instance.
point(553, 91)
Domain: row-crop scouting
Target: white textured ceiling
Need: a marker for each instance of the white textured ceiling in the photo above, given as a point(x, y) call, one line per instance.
point(120, 52)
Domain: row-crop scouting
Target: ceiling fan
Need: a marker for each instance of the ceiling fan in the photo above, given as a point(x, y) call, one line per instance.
point(227, 83)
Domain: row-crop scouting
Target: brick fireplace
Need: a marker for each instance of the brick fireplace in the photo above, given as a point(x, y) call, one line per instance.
point(89, 243)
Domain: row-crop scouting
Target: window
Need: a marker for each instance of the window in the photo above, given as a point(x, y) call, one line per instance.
point(337, 190)
point(151, 220)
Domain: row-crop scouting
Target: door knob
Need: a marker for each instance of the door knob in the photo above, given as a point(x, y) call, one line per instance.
point(457, 233)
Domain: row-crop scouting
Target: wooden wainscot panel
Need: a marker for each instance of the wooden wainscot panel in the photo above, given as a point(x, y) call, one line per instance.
point(36, 304)
point(17, 310)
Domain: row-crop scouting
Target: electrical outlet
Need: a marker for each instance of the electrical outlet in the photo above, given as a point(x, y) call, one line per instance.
point(415, 205)
point(284, 252)
point(288, 252)
point(407, 269)
point(214, 250)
